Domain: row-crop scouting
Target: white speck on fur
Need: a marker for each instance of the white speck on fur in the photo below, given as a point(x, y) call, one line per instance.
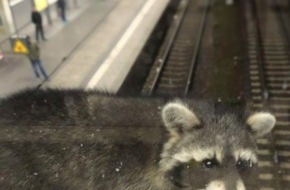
point(117, 169)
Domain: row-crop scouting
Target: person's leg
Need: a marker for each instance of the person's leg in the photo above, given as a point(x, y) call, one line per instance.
point(34, 66)
point(42, 70)
point(41, 32)
point(63, 14)
point(36, 32)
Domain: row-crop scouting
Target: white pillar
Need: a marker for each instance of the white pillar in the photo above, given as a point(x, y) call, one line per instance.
point(7, 16)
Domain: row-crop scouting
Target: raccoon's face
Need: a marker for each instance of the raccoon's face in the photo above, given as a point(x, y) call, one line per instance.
point(211, 153)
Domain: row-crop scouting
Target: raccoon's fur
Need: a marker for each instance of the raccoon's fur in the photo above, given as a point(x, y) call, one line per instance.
point(71, 139)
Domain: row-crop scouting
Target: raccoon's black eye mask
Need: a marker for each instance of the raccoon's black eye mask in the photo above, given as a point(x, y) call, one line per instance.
point(241, 164)
point(175, 176)
point(244, 164)
point(206, 163)
point(210, 163)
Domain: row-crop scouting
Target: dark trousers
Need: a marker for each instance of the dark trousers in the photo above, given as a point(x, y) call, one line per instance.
point(39, 31)
point(62, 13)
point(37, 66)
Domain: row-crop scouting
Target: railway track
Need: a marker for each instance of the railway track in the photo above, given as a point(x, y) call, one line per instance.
point(174, 67)
point(268, 50)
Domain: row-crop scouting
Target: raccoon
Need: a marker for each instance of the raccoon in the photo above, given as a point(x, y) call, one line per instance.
point(72, 139)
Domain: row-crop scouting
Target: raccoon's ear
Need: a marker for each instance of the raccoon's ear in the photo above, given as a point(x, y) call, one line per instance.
point(261, 123)
point(177, 117)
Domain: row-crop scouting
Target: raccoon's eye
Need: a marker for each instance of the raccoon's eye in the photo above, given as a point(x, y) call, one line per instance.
point(210, 163)
point(244, 164)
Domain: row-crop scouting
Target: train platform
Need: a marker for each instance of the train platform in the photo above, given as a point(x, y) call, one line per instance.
point(94, 50)
point(15, 70)
point(105, 58)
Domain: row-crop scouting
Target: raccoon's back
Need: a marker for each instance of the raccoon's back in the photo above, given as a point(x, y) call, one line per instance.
point(78, 165)
point(52, 108)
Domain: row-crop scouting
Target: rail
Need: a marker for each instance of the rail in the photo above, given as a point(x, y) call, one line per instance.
point(175, 65)
point(172, 33)
point(260, 53)
point(197, 49)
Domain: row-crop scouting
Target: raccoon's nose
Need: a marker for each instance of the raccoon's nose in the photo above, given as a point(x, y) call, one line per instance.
point(220, 185)
point(235, 184)
point(240, 185)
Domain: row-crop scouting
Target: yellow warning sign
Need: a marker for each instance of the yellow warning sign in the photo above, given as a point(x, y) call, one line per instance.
point(20, 47)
